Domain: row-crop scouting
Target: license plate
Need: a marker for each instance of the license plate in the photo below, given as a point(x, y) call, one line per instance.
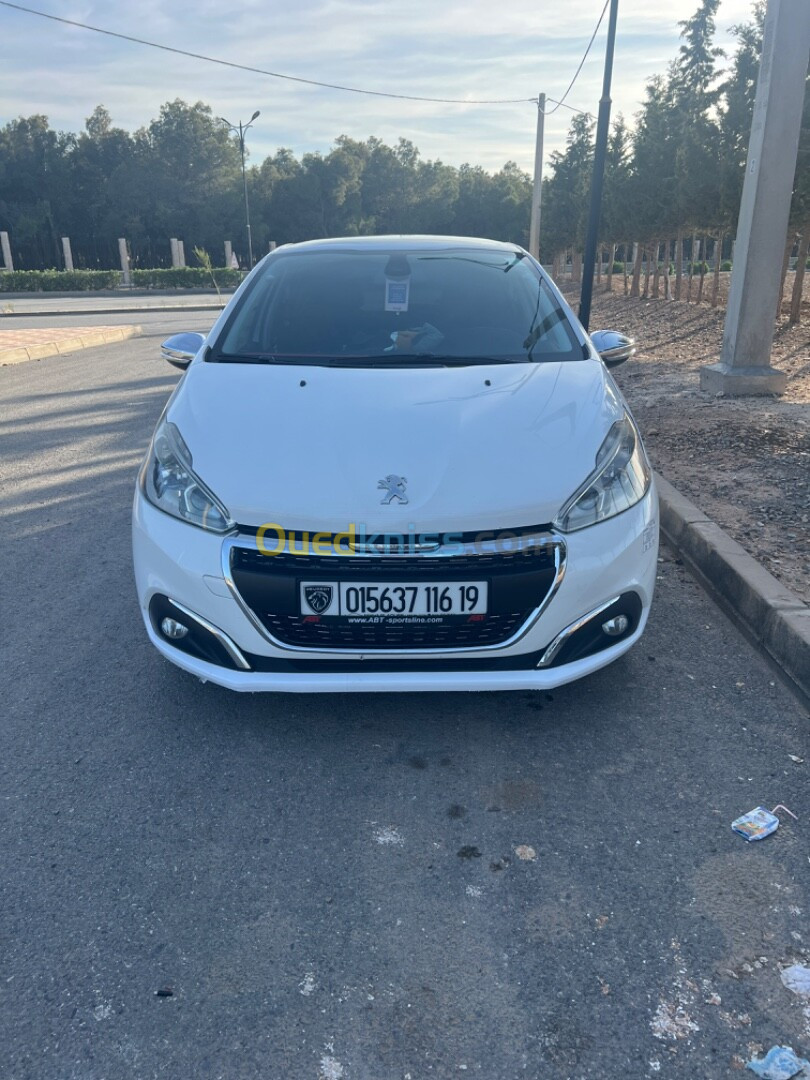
point(393, 600)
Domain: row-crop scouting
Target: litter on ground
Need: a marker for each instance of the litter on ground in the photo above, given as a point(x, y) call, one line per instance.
point(759, 823)
point(780, 1063)
point(797, 978)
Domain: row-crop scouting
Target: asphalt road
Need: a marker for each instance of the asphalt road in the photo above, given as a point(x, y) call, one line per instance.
point(332, 888)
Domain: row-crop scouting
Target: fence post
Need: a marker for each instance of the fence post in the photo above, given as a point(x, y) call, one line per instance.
point(68, 254)
point(8, 262)
point(124, 254)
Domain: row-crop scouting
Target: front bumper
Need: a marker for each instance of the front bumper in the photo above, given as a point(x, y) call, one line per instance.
point(184, 564)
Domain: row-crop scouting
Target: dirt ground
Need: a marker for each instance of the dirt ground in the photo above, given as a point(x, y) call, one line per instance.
point(744, 461)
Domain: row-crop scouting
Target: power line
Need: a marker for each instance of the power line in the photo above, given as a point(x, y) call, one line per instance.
point(573, 108)
point(261, 71)
point(310, 82)
point(581, 63)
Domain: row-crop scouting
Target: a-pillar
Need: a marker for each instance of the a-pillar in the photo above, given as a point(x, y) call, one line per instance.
point(744, 366)
point(8, 262)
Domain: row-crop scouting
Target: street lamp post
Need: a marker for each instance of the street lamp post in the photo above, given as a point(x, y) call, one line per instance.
point(600, 153)
point(241, 129)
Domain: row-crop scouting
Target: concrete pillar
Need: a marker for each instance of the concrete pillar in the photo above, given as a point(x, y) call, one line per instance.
point(68, 254)
point(228, 252)
point(124, 254)
point(271, 246)
point(744, 366)
point(175, 253)
point(181, 254)
point(8, 262)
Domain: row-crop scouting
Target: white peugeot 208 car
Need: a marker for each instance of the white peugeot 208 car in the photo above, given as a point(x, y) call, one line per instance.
point(395, 463)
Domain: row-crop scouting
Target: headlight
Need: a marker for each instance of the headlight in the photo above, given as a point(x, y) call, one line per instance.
point(169, 483)
point(620, 480)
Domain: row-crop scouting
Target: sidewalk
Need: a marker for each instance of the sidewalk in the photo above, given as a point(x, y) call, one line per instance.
point(765, 609)
point(109, 303)
point(17, 346)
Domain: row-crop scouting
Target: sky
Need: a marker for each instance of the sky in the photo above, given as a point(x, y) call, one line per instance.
point(435, 48)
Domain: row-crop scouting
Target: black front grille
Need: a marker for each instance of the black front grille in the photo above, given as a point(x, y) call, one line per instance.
point(518, 583)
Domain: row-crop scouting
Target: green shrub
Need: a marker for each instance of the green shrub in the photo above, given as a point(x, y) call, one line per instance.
point(58, 280)
point(725, 264)
point(618, 267)
point(699, 268)
point(185, 277)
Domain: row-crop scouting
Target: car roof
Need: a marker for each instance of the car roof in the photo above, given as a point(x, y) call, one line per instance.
point(402, 243)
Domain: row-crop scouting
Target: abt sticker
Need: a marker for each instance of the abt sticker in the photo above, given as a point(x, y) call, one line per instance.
point(649, 535)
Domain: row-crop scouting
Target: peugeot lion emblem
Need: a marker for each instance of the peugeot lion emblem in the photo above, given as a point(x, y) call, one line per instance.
point(394, 486)
point(319, 597)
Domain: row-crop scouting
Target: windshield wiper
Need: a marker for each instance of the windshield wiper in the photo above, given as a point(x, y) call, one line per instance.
point(392, 359)
point(401, 359)
point(275, 358)
point(463, 361)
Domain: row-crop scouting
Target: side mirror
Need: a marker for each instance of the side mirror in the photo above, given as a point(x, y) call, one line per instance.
point(180, 349)
point(613, 347)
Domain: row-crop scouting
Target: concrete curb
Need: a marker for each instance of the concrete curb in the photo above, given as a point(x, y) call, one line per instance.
point(40, 351)
point(67, 313)
point(117, 294)
point(770, 613)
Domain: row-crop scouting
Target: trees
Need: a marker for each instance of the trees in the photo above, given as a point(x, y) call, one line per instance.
point(676, 174)
point(681, 177)
point(736, 111)
point(33, 174)
point(800, 208)
point(565, 193)
point(189, 170)
point(616, 218)
point(98, 167)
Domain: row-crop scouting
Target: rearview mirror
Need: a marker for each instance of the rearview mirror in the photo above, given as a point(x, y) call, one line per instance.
point(180, 349)
point(613, 347)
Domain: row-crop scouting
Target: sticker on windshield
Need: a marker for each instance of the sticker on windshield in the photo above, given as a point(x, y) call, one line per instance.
point(396, 294)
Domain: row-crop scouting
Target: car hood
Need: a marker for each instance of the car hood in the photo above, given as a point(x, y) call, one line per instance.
point(480, 447)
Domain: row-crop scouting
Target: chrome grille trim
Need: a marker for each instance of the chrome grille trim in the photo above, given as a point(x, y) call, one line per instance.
point(564, 635)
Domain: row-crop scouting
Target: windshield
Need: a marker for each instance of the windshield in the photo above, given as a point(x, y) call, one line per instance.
point(398, 307)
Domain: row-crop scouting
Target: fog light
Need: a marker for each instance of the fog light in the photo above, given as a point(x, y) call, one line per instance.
point(173, 629)
point(616, 626)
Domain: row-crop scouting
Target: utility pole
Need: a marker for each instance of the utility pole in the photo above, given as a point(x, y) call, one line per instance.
point(241, 129)
point(534, 228)
point(745, 358)
point(600, 153)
